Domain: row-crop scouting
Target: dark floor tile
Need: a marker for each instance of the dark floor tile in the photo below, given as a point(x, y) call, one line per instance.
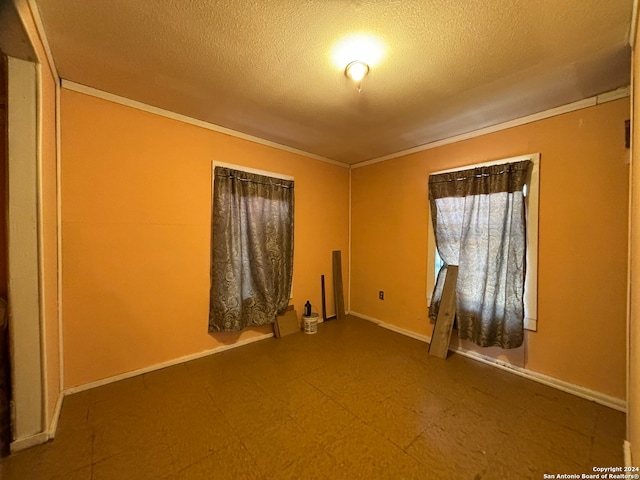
point(146, 462)
point(353, 401)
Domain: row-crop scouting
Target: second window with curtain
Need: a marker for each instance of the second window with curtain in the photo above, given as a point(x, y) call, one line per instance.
point(479, 220)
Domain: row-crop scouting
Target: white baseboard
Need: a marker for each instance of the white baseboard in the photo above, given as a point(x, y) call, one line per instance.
point(389, 326)
point(408, 333)
point(365, 317)
point(50, 433)
point(394, 328)
point(403, 331)
point(28, 442)
point(159, 366)
point(572, 388)
point(628, 461)
point(39, 438)
point(586, 393)
point(53, 426)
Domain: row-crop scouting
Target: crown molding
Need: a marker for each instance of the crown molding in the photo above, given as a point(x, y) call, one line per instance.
point(37, 19)
point(77, 87)
point(634, 24)
point(553, 112)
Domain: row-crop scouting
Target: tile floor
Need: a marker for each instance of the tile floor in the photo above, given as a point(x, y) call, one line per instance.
point(354, 401)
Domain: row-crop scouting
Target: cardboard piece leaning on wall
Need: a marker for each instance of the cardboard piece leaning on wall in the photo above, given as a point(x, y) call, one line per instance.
point(287, 323)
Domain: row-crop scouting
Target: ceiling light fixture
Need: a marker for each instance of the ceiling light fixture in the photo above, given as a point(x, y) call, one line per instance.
point(356, 71)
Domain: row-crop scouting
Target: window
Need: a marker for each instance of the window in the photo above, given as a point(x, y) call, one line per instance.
point(251, 247)
point(531, 193)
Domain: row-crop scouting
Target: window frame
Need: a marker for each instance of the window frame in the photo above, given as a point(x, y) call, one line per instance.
point(265, 173)
point(532, 203)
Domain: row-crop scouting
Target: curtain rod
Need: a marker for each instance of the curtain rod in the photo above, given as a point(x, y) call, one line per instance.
point(254, 181)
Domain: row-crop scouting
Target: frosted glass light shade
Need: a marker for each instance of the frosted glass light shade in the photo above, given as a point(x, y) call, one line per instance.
point(356, 71)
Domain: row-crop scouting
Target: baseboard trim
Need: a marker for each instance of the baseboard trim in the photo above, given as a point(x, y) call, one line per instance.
point(567, 387)
point(366, 317)
point(394, 328)
point(408, 333)
point(39, 438)
point(169, 363)
point(579, 391)
point(628, 461)
point(332, 317)
point(28, 442)
point(53, 426)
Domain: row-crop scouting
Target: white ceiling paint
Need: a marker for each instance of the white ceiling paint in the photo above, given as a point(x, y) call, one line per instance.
point(265, 68)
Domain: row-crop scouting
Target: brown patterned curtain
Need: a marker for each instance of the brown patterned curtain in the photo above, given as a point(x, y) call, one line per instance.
point(479, 223)
point(251, 249)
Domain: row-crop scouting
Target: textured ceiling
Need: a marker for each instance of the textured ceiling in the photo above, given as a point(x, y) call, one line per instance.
point(265, 68)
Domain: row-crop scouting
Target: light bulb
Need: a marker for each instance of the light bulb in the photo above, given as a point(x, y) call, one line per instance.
point(356, 71)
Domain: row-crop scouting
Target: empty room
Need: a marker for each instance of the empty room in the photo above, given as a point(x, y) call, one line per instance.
point(319, 240)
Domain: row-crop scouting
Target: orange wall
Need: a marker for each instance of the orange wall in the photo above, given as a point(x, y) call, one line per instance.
point(136, 212)
point(582, 241)
point(48, 207)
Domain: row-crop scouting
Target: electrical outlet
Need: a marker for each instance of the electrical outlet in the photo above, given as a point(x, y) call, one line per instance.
point(381, 295)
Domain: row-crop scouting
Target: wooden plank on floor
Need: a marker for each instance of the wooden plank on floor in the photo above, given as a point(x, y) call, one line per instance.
point(276, 328)
point(337, 284)
point(324, 304)
point(441, 337)
point(287, 323)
